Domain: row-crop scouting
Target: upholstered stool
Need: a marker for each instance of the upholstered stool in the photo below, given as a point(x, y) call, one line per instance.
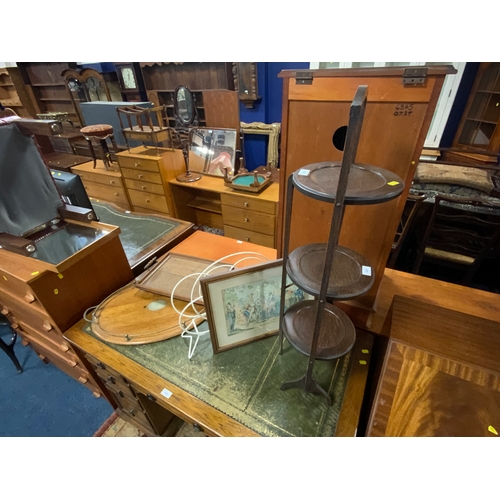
point(9, 348)
point(100, 133)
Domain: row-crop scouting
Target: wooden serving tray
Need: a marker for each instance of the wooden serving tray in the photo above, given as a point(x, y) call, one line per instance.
point(132, 316)
point(163, 277)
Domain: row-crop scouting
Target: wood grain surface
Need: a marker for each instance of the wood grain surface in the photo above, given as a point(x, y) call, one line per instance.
point(441, 374)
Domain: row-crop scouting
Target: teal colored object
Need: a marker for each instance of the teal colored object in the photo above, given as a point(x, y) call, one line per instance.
point(247, 180)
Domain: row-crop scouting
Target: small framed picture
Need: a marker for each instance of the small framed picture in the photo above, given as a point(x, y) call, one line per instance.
point(244, 305)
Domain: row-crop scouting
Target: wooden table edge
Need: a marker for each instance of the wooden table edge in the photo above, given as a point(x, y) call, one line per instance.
point(356, 384)
point(181, 403)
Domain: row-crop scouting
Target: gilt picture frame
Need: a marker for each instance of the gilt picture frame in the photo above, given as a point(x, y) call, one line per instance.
point(242, 306)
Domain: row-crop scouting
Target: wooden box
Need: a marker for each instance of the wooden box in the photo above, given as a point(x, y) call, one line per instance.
point(440, 374)
point(398, 113)
point(52, 268)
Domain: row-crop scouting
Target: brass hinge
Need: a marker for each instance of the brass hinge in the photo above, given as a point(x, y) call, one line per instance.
point(303, 78)
point(414, 76)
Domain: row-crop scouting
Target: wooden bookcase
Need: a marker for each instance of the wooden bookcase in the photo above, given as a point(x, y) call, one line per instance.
point(161, 80)
point(9, 96)
point(48, 88)
point(479, 130)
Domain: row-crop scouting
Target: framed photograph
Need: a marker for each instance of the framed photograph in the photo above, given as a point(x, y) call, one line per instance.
point(244, 305)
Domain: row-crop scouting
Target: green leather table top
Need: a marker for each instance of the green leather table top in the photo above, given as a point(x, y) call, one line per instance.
point(244, 382)
point(137, 231)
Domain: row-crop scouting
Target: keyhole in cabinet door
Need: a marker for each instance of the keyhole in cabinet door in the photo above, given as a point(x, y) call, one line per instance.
point(339, 136)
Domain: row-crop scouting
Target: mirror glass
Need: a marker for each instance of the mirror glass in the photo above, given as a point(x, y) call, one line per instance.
point(184, 105)
point(95, 89)
point(211, 151)
point(76, 88)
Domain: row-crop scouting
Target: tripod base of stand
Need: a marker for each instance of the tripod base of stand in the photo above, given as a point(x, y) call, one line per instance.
point(188, 177)
point(313, 387)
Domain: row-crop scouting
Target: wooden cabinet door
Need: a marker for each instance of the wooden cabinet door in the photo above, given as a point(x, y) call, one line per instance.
point(395, 125)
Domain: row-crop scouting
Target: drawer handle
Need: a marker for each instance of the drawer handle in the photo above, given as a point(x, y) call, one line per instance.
point(140, 176)
point(47, 326)
point(5, 311)
point(112, 380)
point(29, 297)
point(112, 182)
point(151, 397)
point(247, 239)
point(83, 380)
point(245, 204)
point(116, 194)
point(143, 187)
point(100, 365)
point(147, 200)
point(120, 393)
point(131, 412)
point(137, 164)
point(15, 326)
point(64, 347)
point(246, 219)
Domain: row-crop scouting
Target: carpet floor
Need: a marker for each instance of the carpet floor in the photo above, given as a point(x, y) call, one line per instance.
point(43, 401)
point(115, 426)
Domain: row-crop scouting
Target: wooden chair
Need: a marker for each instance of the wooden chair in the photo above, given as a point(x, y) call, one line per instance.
point(9, 348)
point(144, 124)
point(460, 233)
point(413, 203)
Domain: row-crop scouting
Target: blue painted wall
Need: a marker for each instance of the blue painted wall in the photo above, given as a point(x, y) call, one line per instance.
point(267, 110)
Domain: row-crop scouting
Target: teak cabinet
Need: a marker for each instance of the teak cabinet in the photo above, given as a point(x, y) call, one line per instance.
point(146, 173)
point(102, 184)
point(398, 114)
point(41, 304)
point(243, 216)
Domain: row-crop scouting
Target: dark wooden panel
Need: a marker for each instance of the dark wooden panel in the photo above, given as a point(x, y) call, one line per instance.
point(222, 109)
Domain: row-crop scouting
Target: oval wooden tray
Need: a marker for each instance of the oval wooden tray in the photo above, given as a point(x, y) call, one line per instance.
point(128, 317)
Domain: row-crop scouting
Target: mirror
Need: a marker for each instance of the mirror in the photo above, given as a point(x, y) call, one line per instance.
point(95, 89)
point(184, 107)
point(212, 151)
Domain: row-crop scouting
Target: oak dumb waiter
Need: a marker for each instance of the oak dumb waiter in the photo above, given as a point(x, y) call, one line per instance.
point(399, 110)
point(330, 271)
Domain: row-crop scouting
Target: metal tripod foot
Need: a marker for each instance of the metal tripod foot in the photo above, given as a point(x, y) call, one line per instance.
point(313, 387)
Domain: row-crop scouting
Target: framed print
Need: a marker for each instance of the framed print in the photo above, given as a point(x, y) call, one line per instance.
point(243, 305)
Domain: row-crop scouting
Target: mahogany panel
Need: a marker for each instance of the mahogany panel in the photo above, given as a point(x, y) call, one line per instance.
point(441, 374)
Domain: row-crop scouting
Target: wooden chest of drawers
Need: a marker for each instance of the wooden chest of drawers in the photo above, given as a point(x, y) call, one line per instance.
point(146, 172)
point(42, 304)
point(242, 216)
point(102, 184)
point(251, 220)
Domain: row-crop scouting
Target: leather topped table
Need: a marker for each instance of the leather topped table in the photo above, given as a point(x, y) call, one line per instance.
point(235, 393)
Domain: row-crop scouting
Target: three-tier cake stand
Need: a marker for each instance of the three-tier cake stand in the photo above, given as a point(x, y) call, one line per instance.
point(328, 271)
